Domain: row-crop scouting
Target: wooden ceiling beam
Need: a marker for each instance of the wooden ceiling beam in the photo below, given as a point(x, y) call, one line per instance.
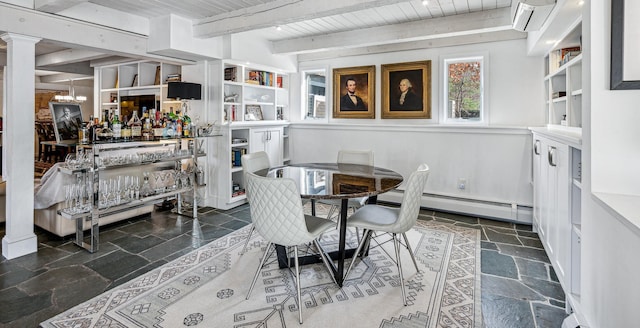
point(449, 26)
point(279, 12)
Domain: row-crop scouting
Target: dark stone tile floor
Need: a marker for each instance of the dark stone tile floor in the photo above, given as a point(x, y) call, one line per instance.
point(519, 287)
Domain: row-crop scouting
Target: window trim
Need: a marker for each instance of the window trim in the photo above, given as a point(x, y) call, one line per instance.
point(304, 91)
point(483, 57)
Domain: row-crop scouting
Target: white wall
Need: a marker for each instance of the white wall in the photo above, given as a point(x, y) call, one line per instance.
point(610, 263)
point(250, 48)
point(495, 160)
point(515, 81)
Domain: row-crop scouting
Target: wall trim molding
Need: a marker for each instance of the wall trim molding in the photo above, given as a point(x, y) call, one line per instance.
point(439, 128)
point(522, 214)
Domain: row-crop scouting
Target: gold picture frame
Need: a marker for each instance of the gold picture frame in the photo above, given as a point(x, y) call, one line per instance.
point(362, 103)
point(406, 90)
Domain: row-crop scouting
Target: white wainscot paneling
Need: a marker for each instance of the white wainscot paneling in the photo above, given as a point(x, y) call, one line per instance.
point(495, 162)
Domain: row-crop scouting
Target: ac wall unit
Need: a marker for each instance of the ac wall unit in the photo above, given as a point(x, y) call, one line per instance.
point(529, 15)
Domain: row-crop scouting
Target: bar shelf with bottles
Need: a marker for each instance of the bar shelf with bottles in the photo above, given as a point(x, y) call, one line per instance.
point(117, 174)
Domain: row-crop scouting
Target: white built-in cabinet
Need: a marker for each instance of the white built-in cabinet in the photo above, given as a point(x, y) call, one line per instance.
point(269, 140)
point(270, 137)
point(251, 103)
point(557, 163)
point(557, 189)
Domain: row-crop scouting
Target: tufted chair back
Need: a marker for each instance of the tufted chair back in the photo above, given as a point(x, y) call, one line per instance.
point(410, 206)
point(255, 161)
point(362, 157)
point(276, 210)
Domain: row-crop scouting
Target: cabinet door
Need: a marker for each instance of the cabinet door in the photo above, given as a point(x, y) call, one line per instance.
point(269, 141)
point(538, 185)
point(559, 223)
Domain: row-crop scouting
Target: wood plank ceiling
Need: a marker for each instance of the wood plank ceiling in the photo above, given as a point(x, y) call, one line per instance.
point(302, 26)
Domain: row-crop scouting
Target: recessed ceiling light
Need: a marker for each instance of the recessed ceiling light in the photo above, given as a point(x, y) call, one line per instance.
point(580, 3)
point(425, 2)
point(278, 28)
point(551, 41)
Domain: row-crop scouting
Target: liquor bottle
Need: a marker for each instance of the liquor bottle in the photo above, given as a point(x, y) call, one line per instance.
point(90, 129)
point(186, 129)
point(157, 125)
point(178, 127)
point(105, 133)
point(147, 130)
point(136, 125)
point(126, 129)
point(116, 126)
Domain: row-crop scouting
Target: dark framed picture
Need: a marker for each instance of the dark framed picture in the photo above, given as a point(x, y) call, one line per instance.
point(406, 90)
point(354, 92)
point(625, 45)
point(67, 120)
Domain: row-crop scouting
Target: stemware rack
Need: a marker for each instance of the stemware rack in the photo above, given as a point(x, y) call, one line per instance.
point(94, 162)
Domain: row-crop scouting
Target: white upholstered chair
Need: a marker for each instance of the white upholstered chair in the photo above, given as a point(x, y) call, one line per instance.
point(277, 214)
point(362, 157)
point(396, 221)
point(251, 163)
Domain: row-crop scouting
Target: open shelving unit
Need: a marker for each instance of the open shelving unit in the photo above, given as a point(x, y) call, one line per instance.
point(249, 90)
point(148, 78)
point(563, 82)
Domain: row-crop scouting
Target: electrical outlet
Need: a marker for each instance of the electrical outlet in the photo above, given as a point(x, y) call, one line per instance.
point(462, 183)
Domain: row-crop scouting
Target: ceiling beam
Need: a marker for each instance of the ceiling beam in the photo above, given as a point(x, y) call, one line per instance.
point(82, 68)
point(68, 56)
point(67, 77)
point(456, 25)
point(55, 6)
point(279, 12)
point(73, 32)
point(415, 45)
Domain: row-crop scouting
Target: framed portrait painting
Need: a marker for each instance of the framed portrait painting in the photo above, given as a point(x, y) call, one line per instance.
point(406, 90)
point(354, 92)
point(67, 120)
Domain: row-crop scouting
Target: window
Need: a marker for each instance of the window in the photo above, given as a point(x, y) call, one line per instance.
point(464, 90)
point(314, 104)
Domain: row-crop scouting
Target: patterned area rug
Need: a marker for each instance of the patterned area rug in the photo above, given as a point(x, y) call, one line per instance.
point(208, 287)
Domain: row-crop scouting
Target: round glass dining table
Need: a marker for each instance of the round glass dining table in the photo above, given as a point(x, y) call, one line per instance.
point(335, 181)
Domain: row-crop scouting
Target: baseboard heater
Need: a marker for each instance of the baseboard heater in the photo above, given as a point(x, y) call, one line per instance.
point(468, 206)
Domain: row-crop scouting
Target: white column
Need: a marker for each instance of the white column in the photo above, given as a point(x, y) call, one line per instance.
point(18, 135)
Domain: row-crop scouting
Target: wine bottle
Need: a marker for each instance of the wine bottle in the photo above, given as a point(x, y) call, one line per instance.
point(116, 126)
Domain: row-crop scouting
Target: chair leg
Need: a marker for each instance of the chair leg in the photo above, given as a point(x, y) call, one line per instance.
point(396, 246)
point(330, 214)
point(358, 250)
point(264, 260)
point(295, 254)
point(413, 257)
point(325, 260)
point(246, 243)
